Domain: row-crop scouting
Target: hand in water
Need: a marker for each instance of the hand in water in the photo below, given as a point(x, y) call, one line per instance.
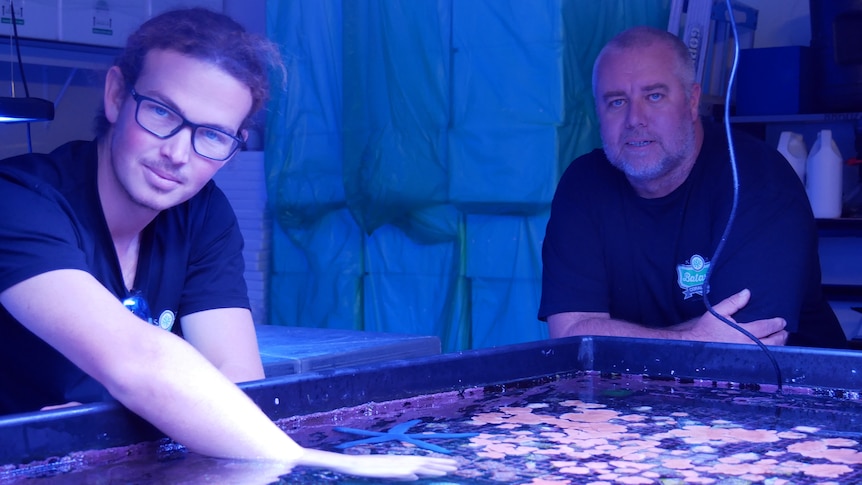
point(400, 467)
point(61, 406)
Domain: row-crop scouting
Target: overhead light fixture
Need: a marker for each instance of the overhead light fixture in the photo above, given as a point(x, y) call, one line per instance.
point(25, 110)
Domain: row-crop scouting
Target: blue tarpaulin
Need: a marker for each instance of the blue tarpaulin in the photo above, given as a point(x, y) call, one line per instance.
point(412, 159)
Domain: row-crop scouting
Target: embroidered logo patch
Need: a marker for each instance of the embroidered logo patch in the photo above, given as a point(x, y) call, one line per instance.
point(166, 320)
point(691, 275)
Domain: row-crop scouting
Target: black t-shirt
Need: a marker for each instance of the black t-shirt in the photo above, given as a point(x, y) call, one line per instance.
point(643, 260)
point(51, 218)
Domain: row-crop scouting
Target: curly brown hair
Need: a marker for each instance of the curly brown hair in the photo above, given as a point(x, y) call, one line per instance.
point(208, 36)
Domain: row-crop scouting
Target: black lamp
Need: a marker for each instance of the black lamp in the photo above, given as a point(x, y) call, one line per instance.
point(26, 109)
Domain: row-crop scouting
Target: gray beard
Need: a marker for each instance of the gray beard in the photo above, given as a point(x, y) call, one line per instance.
point(645, 173)
point(665, 165)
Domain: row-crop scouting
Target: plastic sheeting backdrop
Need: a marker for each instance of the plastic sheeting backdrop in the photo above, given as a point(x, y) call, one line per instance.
point(412, 159)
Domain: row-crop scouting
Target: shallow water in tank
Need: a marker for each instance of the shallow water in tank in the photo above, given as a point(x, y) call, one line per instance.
point(585, 428)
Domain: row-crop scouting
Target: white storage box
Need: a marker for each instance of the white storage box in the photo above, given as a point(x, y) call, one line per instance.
point(101, 22)
point(159, 6)
point(36, 19)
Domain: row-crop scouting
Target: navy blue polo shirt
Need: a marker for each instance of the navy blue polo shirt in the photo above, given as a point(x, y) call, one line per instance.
point(51, 218)
point(609, 250)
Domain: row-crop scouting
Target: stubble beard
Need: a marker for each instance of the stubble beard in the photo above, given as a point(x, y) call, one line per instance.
point(638, 171)
point(138, 192)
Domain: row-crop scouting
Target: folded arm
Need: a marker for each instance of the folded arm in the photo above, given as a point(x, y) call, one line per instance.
point(705, 328)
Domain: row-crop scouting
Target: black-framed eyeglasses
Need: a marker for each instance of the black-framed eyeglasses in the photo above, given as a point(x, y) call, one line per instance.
point(164, 122)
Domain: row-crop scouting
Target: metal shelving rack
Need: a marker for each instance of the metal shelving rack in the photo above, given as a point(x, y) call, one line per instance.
point(841, 283)
point(60, 54)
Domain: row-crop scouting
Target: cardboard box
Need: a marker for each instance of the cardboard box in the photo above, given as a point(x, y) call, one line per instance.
point(36, 19)
point(159, 6)
point(101, 22)
point(775, 81)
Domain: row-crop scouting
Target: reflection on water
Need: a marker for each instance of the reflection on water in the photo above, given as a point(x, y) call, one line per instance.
point(148, 463)
point(564, 430)
point(593, 429)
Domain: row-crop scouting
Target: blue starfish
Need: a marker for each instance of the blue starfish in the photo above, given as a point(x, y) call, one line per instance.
point(399, 433)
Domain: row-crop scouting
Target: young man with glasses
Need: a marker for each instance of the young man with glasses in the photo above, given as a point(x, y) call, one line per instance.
point(132, 221)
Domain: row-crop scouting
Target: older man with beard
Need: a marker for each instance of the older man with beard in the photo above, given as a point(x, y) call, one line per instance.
point(634, 226)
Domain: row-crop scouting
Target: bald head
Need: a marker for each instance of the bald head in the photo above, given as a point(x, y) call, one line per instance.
point(644, 37)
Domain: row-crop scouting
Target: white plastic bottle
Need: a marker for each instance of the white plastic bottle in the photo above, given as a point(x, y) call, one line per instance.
point(823, 177)
point(792, 146)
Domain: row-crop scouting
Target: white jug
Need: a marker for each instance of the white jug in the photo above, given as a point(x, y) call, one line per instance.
point(792, 146)
point(823, 177)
